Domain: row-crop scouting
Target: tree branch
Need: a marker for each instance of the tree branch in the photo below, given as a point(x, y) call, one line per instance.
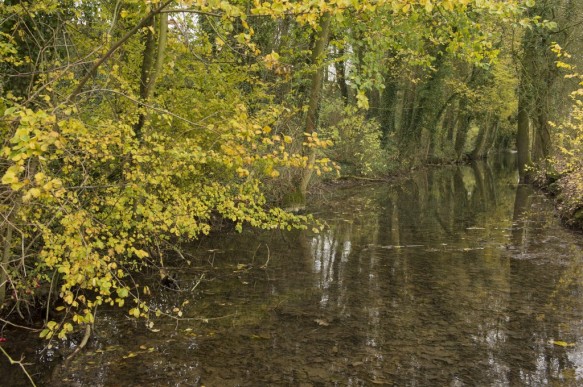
point(114, 48)
point(20, 364)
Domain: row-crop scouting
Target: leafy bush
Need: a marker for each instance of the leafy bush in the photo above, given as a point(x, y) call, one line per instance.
point(357, 146)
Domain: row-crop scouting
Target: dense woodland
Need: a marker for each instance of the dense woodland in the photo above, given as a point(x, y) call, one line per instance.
point(131, 126)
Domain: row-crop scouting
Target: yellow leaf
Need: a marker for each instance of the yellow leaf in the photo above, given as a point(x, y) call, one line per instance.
point(39, 177)
point(561, 343)
point(11, 175)
point(362, 100)
point(34, 192)
point(141, 253)
point(428, 7)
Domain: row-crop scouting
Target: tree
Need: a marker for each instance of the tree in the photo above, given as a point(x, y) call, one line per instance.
point(551, 22)
point(131, 126)
point(91, 187)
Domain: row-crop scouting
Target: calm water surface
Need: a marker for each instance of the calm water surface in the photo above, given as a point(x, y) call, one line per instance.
point(456, 276)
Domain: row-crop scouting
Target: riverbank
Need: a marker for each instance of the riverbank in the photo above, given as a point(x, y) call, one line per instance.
point(566, 189)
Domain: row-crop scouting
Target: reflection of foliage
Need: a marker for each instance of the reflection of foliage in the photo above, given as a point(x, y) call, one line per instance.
point(570, 281)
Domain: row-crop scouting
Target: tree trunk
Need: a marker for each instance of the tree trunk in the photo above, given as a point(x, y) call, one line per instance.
point(479, 147)
point(388, 108)
point(523, 139)
point(341, 76)
point(318, 54)
point(450, 121)
point(5, 262)
point(152, 60)
point(462, 134)
point(374, 98)
point(429, 91)
point(541, 146)
point(492, 135)
point(407, 110)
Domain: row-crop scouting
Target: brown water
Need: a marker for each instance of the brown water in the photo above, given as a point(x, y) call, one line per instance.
point(455, 276)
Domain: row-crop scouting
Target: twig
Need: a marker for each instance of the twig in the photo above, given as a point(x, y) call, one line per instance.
point(49, 296)
point(201, 319)
point(197, 282)
point(149, 106)
point(351, 177)
point(255, 253)
point(19, 326)
point(82, 344)
point(20, 364)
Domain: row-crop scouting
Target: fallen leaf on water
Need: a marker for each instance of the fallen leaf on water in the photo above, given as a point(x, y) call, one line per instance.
point(381, 382)
point(322, 322)
point(131, 354)
point(241, 266)
point(561, 343)
point(259, 337)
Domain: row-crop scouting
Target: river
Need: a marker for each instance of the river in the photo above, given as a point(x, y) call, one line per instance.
point(453, 276)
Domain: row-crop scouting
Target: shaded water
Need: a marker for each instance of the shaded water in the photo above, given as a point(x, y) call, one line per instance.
point(453, 277)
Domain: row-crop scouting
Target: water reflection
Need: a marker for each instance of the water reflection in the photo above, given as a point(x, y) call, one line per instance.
point(454, 277)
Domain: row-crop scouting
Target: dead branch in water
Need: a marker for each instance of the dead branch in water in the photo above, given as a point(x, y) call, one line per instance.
point(20, 364)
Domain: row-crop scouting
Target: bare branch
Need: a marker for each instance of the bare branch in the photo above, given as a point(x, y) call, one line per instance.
point(20, 364)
